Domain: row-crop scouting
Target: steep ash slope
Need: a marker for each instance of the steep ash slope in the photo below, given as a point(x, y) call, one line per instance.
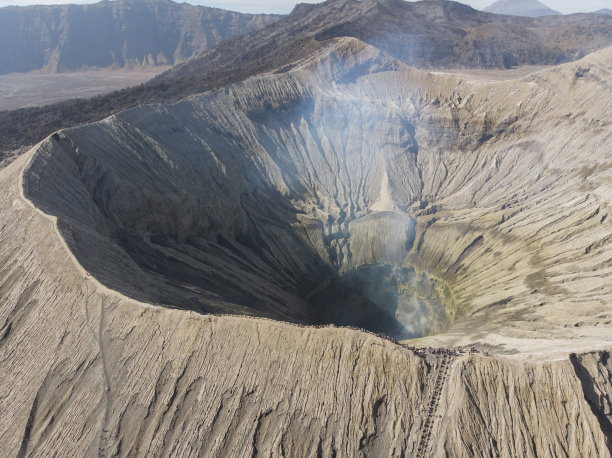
point(482, 208)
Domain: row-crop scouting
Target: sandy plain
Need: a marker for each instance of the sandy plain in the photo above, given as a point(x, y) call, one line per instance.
point(22, 90)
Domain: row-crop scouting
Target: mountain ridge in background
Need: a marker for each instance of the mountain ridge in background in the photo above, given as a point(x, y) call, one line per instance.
point(426, 34)
point(528, 8)
point(117, 34)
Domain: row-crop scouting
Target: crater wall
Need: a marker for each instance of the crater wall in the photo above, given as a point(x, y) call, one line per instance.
point(249, 199)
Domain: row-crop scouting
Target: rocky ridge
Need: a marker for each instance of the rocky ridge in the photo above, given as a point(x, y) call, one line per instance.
point(424, 34)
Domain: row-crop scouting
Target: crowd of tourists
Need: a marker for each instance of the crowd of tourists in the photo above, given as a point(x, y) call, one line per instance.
point(457, 351)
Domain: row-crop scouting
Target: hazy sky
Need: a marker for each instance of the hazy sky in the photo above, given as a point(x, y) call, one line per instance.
point(284, 6)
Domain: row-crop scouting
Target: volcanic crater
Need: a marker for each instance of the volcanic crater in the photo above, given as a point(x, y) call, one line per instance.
point(356, 191)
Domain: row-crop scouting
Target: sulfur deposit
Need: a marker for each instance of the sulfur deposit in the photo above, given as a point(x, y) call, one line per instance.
point(348, 190)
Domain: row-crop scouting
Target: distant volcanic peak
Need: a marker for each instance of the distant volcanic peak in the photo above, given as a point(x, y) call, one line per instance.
point(529, 8)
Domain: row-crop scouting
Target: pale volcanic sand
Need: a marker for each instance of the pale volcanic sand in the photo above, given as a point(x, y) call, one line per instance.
point(84, 368)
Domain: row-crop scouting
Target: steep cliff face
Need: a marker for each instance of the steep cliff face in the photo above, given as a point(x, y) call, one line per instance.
point(119, 34)
point(479, 211)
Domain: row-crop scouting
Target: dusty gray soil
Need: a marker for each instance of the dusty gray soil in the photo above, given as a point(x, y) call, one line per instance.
point(19, 90)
